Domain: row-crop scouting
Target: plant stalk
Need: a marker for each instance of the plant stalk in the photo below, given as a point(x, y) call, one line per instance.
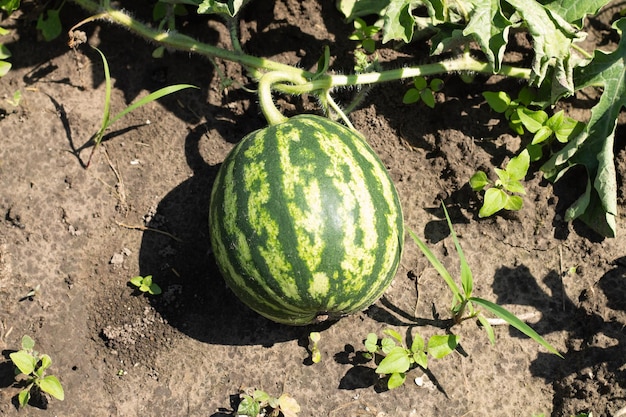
point(320, 84)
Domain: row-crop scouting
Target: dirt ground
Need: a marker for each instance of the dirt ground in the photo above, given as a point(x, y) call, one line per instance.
point(77, 235)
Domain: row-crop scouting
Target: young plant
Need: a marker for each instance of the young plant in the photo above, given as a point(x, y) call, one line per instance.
point(423, 90)
point(398, 359)
point(500, 195)
point(363, 34)
point(34, 365)
point(501, 102)
point(464, 304)
point(145, 284)
point(107, 120)
point(260, 404)
point(546, 128)
point(316, 355)
point(50, 24)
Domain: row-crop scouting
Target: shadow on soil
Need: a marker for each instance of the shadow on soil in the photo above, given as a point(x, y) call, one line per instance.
point(590, 320)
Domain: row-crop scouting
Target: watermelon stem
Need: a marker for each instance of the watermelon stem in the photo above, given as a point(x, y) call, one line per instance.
point(271, 113)
point(320, 82)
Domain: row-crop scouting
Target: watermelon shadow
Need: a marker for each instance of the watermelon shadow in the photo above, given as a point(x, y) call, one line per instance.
point(195, 298)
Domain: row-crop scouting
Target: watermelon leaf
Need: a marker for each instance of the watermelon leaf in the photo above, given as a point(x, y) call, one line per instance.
point(593, 147)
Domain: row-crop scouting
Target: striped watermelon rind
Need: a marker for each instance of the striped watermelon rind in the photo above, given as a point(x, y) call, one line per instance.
point(305, 221)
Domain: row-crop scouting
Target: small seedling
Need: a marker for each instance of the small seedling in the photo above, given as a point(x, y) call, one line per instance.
point(499, 194)
point(316, 355)
point(398, 359)
point(145, 284)
point(16, 99)
point(107, 120)
point(30, 295)
point(50, 24)
point(423, 90)
point(546, 128)
point(363, 33)
point(501, 102)
point(462, 299)
point(260, 404)
point(34, 365)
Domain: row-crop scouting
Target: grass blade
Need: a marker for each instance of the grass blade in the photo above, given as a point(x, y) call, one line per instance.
point(510, 318)
point(150, 98)
point(438, 266)
point(467, 280)
point(106, 112)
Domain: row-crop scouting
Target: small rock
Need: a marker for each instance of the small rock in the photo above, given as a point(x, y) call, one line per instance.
point(117, 259)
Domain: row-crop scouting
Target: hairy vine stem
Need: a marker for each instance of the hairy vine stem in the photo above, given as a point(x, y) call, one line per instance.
point(319, 84)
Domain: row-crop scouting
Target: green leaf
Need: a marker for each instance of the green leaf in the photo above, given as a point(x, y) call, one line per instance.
point(569, 129)
point(5, 67)
point(398, 21)
point(387, 344)
point(27, 342)
point(46, 361)
point(371, 343)
point(535, 152)
point(515, 322)
point(574, 11)
point(417, 344)
point(466, 274)
point(421, 358)
point(154, 289)
point(514, 186)
point(518, 166)
point(552, 40)
point(499, 101)
point(428, 98)
point(443, 272)
point(442, 345)
point(369, 45)
point(411, 96)
point(542, 135)
point(228, 8)
point(50, 26)
point(593, 147)
point(354, 8)
point(533, 120)
point(478, 181)
point(395, 335)
point(490, 28)
point(261, 396)
point(513, 203)
point(24, 396)
point(503, 177)
point(150, 98)
point(52, 386)
point(436, 84)
point(4, 52)
point(396, 361)
point(248, 406)
point(495, 200)
point(24, 361)
point(396, 380)
point(9, 6)
point(488, 329)
point(420, 83)
point(136, 281)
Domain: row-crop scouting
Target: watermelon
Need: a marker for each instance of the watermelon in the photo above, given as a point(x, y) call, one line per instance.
point(305, 222)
